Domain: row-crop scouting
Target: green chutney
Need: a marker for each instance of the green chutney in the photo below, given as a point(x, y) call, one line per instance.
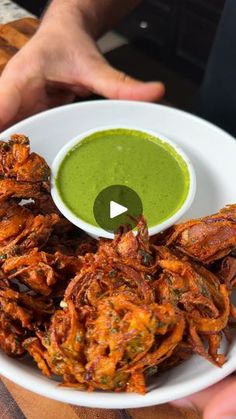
point(146, 164)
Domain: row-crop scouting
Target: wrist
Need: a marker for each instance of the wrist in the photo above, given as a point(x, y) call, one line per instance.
point(69, 14)
point(93, 16)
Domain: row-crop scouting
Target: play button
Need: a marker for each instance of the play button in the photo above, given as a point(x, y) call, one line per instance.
point(117, 206)
point(116, 209)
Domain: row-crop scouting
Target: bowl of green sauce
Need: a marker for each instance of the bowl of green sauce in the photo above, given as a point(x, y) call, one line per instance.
point(151, 165)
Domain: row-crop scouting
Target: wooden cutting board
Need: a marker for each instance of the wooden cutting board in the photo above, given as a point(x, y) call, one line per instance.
point(14, 36)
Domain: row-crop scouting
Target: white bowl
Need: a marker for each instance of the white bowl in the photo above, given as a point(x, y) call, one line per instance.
point(97, 231)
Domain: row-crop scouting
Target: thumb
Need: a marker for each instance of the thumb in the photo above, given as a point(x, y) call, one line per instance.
point(113, 84)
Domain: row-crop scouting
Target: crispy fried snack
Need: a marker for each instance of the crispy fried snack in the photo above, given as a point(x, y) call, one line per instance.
point(109, 314)
point(20, 230)
point(133, 308)
point(201, 297)
point(17, 162)
point(25, 230)
point(20, 315)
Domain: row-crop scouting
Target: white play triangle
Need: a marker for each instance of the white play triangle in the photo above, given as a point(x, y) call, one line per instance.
point(116, 209)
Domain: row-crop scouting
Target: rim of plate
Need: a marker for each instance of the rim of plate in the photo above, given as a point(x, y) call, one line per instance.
point(96, 231)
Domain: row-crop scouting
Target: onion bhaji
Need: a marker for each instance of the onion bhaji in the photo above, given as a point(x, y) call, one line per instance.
point(109, 314)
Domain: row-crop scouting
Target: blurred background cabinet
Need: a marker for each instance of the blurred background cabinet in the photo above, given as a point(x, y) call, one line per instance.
point(179, 32)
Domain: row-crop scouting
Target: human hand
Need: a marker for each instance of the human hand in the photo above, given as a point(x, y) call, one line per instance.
point(216, 402)
point(58, 63)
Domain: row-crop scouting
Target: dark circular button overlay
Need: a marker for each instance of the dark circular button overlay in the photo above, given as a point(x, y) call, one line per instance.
point(117, 206)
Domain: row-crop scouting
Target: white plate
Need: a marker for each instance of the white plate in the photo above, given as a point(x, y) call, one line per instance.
point(213, 154)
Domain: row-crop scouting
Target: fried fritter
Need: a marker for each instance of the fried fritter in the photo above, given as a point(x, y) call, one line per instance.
point(21, 314)
point(201, 297)
point(17, 162)
point(40, 271)
point(20, 230)
point(23, 232)
point(11, 336)
point(133, 307)
point(209, 238)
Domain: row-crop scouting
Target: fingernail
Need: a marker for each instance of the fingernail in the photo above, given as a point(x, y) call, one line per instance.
point(184, 403)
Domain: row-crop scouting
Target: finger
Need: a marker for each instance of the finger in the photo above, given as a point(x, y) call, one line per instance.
point(205, 399)
point(113, 84)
